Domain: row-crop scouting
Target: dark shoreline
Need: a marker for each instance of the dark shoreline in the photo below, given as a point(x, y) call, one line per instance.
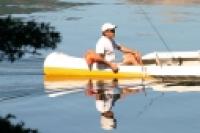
point(23, 6)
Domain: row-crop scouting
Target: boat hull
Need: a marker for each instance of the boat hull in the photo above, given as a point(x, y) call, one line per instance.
point(58, 64)
point(69, 72)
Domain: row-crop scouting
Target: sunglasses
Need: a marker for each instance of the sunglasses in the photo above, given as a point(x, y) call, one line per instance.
point(112, 30)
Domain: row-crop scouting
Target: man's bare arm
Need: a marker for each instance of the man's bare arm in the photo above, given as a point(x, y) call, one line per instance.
point(125, 49)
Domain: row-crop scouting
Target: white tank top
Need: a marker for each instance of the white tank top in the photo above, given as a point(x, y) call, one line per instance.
point(106, 46)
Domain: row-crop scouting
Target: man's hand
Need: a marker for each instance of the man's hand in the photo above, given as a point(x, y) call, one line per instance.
point(114, 67)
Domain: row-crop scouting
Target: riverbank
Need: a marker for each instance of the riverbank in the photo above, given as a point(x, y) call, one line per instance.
point(30, 6)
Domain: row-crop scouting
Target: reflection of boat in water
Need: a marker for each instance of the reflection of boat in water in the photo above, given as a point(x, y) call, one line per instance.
point(62, 85)
point(56, 86)
point(179, 87)
point(106, 93)
point(171, 64)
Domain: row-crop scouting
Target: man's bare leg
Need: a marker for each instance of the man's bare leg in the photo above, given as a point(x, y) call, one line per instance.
point(91, 57)
point(129, 59)
point(132, 59)
point(138, 58)
point(131, 56)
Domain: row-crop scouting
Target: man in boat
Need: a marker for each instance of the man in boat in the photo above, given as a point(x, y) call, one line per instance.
point(105, 54)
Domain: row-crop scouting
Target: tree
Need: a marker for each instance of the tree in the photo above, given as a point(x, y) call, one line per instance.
point(18, 37)
point(6, 126)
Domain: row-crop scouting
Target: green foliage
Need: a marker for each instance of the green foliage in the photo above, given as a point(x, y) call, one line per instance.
point(7, 127)
point(18, 37)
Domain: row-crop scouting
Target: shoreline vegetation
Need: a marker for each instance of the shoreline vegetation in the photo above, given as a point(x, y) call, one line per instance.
point(30, 6)
point(18, 38)
point(8, 126)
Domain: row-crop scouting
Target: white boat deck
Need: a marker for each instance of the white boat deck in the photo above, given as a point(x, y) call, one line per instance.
point(189, 58)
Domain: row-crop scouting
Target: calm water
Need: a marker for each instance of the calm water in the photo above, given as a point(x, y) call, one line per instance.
point(137, 106)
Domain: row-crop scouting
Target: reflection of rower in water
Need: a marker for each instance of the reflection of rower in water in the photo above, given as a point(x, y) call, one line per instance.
point(106, 95)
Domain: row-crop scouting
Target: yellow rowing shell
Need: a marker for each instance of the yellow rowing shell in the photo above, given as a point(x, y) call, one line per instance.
point(59, 64)
point(67, 72)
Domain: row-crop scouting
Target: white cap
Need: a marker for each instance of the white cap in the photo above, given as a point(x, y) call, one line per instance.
point(107, 26)
point(107, 123)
